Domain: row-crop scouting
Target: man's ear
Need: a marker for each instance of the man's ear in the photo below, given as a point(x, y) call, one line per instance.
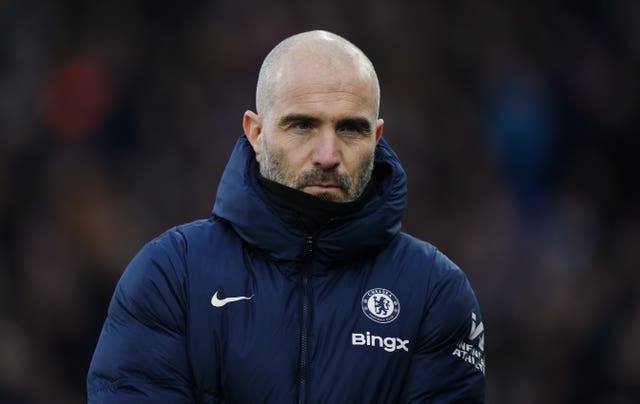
point(379, 126)
point(252, 125)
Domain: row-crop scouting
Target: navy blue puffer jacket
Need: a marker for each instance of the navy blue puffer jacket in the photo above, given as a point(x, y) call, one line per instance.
point(248, 307)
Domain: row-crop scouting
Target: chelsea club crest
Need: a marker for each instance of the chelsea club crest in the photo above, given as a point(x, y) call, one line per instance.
point(380, 305)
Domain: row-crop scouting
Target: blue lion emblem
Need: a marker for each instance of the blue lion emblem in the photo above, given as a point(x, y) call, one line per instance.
point(382, 305)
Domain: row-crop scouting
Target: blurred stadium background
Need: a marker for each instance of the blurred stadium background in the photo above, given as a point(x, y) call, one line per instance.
point(517, 123)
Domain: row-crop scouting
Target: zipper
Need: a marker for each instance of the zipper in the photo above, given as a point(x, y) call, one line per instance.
point(304, 330)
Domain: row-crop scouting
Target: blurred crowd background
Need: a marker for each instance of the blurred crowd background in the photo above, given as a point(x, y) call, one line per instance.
point(517, 123)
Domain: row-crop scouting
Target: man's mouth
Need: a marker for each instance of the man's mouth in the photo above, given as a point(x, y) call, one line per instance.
point(314, 188)
point(318, 182)
point(325, 185)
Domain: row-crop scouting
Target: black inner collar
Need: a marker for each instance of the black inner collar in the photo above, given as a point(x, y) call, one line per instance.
point(320, 211)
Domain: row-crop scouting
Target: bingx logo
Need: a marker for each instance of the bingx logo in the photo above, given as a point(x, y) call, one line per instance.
point(389, 344)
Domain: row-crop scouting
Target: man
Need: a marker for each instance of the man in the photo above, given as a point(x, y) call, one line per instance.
point(301, 286)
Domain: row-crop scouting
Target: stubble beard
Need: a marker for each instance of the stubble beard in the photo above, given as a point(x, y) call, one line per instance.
point(274, 166)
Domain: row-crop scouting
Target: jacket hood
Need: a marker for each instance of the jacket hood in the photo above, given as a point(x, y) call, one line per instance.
point(280, 232)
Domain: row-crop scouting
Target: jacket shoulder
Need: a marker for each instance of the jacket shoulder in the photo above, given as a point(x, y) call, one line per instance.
point(426, 260)
point(191, 238)
point(202, 230)
point(165, 260)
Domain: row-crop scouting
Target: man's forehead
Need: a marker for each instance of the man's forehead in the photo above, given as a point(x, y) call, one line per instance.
point(324, 102)
point(314, 88)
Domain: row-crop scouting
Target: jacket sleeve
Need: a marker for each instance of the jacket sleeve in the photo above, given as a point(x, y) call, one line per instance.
point(141, 355)
point(448, 364)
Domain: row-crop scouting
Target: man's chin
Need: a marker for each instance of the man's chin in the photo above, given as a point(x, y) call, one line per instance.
point(333, 195)
point(327, 196)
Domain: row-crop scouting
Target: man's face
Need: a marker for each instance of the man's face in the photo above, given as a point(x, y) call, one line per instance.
point(319, 135)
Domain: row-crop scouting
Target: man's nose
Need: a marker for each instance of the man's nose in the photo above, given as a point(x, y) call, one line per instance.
point(326, 153)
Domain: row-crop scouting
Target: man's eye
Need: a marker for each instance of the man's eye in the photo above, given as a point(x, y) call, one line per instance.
point(302, 125)
point(354, 127)
point(350, 129)
point(353, 131)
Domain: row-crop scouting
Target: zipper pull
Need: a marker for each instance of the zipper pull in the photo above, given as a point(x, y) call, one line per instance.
point(308, 245)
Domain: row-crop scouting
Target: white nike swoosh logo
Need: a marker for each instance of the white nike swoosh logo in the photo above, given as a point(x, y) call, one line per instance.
point(216, 302)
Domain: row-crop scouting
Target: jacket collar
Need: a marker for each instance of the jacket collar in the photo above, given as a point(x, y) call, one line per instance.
point(280, 232)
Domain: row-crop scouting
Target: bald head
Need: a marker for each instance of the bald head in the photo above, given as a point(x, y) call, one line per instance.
point(317, 125)
point(314, 54)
